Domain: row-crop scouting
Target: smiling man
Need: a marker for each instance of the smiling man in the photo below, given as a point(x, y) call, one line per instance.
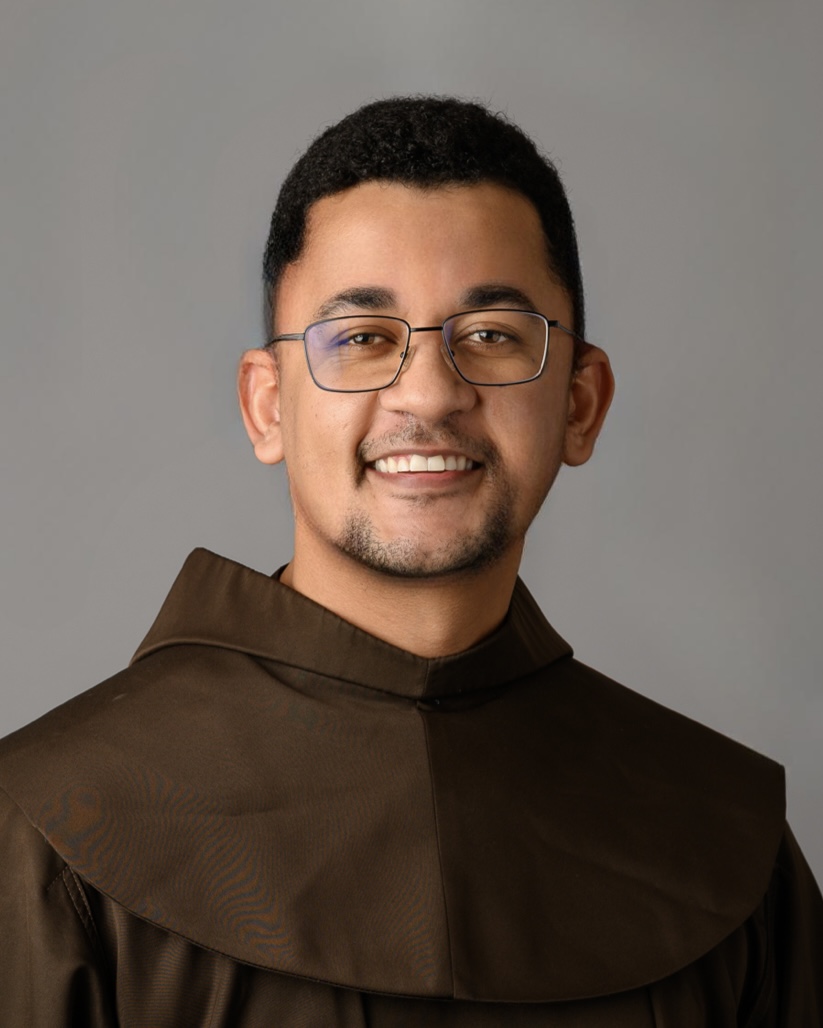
point(376, 788)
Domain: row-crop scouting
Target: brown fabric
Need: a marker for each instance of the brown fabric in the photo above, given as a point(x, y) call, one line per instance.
point(620, 844)
point(62, 966)
point(269, 800)
point(216, 602)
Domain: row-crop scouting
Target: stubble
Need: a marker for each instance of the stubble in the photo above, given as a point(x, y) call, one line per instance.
point(405, 557)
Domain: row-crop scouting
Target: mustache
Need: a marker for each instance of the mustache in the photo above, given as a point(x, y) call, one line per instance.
point(446, 438)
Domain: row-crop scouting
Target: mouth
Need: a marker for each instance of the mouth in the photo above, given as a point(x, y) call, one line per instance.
point(417, 463)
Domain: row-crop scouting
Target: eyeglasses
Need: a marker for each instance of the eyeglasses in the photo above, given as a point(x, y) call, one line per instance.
point(360, 353)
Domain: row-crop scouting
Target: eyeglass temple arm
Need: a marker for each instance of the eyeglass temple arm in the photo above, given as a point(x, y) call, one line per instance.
point(290, 335)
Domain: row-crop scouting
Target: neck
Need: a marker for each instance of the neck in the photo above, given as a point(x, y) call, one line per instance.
point(430, 617)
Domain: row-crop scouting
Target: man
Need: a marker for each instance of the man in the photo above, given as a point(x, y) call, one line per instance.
point(376, 789)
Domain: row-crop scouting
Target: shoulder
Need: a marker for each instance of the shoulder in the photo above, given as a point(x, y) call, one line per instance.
point(124, 706)
point(80, 748)
point(711, 806)
point(623, 724)
point(27, 858)
point(607, 733)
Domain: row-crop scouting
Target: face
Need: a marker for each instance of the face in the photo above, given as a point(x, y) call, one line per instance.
point(430, 476)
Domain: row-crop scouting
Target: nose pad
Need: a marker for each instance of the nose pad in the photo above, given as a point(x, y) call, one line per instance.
point(409, 355)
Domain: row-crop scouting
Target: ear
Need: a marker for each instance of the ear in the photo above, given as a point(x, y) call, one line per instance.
point(258, 390)
point(590, 395)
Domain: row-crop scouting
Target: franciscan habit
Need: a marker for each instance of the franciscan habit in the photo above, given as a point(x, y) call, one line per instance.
point(274, 819)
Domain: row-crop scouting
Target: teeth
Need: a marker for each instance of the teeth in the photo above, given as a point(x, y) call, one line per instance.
point(417, 462)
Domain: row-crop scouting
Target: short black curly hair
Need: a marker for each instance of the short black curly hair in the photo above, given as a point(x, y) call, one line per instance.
point(425, 141)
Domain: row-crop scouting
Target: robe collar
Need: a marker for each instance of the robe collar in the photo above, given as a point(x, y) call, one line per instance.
point(217, 602)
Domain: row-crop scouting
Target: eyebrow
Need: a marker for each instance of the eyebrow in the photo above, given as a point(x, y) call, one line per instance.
point(493, 294)
point(368, 298)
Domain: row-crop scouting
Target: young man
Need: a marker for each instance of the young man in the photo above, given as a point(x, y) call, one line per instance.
point(376, 789)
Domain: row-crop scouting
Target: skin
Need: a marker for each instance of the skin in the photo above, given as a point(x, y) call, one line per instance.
point(426, 561)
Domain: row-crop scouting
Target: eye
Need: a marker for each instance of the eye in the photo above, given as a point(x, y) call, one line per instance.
point(363, 339)
point(486, 335)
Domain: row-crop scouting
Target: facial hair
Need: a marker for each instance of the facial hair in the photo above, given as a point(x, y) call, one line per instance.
point(405, 557)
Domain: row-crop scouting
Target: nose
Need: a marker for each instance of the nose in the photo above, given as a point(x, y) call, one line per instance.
point(428, 385)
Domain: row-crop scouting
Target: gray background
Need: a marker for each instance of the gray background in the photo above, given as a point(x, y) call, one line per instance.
point(142, 146)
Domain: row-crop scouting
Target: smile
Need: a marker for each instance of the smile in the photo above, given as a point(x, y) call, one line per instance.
point(416, 462)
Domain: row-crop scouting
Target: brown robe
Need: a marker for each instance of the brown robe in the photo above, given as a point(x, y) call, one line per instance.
point(274, 819)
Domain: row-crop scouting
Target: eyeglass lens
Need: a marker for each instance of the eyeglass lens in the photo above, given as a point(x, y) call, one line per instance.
point(364, 352)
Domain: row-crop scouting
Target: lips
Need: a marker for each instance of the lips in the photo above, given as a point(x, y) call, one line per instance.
point(418, 462)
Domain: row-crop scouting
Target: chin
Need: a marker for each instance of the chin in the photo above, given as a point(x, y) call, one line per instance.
point(407, 558)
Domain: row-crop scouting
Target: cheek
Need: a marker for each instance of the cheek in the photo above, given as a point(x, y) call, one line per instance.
point(534, 418)
point(533, 441)
point(322, 431)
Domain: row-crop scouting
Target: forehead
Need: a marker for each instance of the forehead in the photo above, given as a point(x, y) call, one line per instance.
point(437, 242)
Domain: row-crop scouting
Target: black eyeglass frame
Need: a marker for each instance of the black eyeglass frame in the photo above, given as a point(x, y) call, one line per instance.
point(548, 323)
